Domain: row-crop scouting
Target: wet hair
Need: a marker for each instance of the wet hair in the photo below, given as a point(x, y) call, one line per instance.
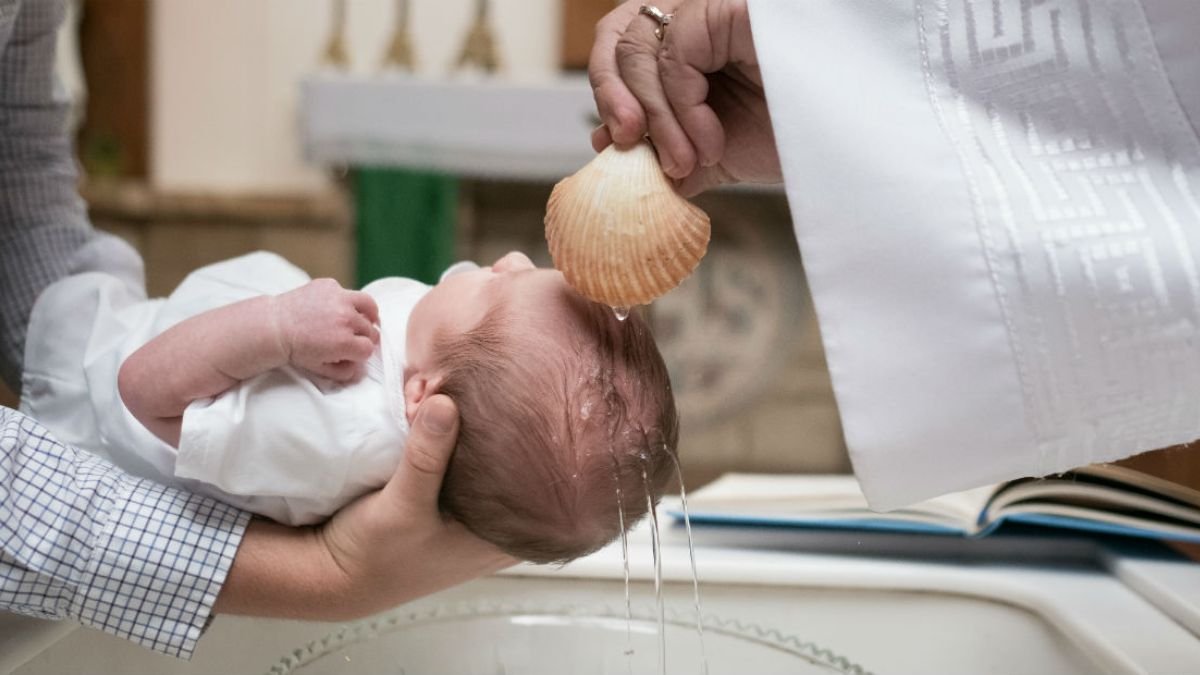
point(559, 444)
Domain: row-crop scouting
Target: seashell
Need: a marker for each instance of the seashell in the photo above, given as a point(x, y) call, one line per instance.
point(620, 233)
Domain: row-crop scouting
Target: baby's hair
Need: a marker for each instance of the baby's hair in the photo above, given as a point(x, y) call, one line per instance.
point(551, 433)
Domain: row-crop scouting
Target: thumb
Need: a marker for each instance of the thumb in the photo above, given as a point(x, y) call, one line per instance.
point(418, 479)
point(702, 179)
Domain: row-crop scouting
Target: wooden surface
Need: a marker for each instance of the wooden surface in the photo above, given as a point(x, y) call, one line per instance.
point(136, 201)
point(579, 19)
point(179, 232)
point(1190, 550)
point(1179, 464)
point(114, 45)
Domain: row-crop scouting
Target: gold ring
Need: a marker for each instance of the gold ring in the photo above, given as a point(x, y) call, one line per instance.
point(658, 15)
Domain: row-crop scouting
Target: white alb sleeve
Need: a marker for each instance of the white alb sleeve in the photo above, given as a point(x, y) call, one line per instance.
point(998, 206)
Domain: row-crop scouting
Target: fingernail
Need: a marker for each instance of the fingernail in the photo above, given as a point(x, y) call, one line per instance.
point(439, 419)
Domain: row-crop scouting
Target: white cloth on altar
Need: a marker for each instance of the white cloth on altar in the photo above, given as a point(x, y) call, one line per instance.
point(998, 208)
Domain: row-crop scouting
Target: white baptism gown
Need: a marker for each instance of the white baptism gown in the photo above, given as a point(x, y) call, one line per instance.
point(284, 444)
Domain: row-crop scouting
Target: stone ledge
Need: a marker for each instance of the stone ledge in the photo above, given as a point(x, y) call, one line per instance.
point(138, 202)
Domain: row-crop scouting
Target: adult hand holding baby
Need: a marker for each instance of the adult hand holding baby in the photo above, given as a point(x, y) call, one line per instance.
point(389, 547)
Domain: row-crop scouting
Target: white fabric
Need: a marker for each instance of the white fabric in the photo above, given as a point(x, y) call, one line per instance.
point(284, 444)
point(998, 207)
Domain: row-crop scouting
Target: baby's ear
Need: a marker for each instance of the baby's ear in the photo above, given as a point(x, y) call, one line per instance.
point(417, 388)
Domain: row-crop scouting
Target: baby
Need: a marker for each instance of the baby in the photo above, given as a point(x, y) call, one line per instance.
point(291, 397)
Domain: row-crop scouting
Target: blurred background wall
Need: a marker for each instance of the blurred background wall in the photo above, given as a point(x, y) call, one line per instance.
point(226, 73)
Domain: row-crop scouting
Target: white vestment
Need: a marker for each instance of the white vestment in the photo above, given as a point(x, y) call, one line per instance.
point(998, 208)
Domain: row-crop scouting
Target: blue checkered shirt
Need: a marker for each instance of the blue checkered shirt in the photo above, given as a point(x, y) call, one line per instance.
point(80, 539)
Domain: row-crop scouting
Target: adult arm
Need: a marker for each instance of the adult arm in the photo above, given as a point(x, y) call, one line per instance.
point(79, 539)
point(319, 327)
point(697, 93)
point(43, 222)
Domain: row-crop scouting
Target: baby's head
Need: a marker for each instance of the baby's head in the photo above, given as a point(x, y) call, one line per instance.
point(563, 409)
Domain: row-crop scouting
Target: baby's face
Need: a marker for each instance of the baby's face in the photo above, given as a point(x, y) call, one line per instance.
point(538, 301)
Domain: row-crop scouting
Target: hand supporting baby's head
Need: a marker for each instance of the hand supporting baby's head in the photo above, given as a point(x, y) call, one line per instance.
point(568, 422)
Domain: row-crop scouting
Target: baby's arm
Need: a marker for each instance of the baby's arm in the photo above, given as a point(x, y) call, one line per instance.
point(319, 327)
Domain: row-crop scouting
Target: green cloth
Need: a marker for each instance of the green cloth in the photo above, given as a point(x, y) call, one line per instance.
point(405, 223)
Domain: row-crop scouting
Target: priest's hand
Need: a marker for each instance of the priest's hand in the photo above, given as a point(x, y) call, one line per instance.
point(389, 547)
point(697, 93)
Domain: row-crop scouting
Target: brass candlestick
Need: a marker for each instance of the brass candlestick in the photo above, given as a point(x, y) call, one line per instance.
point(400, 51)
point(335, 50)
point(479, 50)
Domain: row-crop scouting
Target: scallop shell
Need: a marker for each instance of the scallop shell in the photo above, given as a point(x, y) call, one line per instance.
point(620, 233)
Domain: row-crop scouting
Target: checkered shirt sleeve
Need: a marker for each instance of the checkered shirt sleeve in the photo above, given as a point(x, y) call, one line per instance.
point(43, 222)
point(81, 540)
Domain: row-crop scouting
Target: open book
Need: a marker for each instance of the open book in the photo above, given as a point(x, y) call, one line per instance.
point(1107, 498)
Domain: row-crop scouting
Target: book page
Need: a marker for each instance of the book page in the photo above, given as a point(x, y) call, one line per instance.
point(1099, 502)
point(827, 499)
point(1173, 472)
point(1158, 491)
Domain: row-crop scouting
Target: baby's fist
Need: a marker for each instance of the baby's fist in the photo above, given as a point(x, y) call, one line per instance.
point(326, 329)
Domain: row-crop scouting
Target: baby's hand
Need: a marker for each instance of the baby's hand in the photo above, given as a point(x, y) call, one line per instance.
point(326, 329)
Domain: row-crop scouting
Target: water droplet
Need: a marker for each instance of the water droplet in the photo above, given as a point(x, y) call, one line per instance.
point(687, 523)
point(656, 548)
point(625, 558)
point(621, 313)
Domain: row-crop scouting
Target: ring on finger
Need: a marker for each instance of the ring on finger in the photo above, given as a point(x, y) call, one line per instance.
point(663, 18)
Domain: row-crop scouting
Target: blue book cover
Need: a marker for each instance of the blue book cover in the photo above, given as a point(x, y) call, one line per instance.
point(1103, 499)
